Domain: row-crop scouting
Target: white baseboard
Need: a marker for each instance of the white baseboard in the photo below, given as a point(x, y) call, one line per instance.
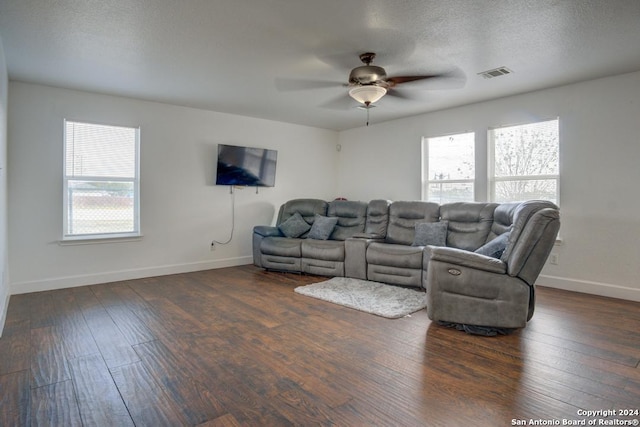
point(575, 285)
point(589, 287)
point(3, 313)
point(116, 276)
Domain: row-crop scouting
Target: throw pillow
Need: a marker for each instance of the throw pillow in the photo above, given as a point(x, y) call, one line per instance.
point(322, 227)
point(294, 226)
point(495, 247)
point(431, 233)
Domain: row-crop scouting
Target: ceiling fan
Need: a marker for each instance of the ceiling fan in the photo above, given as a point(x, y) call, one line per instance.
point(368, 83)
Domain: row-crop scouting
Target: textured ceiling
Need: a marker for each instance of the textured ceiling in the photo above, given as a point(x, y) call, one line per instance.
point(250, 57)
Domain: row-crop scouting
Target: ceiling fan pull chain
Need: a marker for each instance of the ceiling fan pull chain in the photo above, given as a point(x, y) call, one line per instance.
point(367, 116)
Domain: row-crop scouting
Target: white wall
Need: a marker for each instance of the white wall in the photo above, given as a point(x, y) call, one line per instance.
point(4, 276)
point(599, 195)
point(182, 210)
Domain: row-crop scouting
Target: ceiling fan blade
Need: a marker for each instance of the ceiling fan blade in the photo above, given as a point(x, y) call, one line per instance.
point(288, 85)
point(400, 94)
point(453, 79)
point(406, 79)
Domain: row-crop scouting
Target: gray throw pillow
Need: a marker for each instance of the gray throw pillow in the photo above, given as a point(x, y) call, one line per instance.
point(495, 247)
point(322, 227)
point(294, 226)
point(431, 233)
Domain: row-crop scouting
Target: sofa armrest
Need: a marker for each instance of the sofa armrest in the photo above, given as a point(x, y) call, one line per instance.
point(355, 256)
point(464, 258)
point(267, 231)
point(259, 233)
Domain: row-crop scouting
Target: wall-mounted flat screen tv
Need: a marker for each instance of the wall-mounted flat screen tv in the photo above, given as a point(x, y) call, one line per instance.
point(246, 166)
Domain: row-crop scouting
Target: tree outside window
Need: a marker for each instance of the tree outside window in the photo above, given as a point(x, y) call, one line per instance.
point(525, 162)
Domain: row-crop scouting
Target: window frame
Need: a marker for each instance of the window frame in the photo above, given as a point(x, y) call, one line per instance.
point(426, 181)
point(100, 237)
point(492, 179)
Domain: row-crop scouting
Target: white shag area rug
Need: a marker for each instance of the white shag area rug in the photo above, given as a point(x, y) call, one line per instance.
point(372, 297)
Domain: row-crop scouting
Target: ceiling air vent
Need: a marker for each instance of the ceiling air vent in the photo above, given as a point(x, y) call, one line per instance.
point(496, 72)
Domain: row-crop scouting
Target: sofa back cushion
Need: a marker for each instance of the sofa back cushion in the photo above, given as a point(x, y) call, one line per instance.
point(520, 213)
point(469, 223)
point(377, 218)
point(351, 215)
point(403, 217)
point(307, 208)
point(502, 219)
point(528, 253)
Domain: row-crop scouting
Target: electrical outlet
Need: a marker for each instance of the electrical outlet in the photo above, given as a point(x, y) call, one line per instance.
point(553, 259)
point(213, 246)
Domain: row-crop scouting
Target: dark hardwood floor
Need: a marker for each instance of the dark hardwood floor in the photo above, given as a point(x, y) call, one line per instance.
point(237, 346)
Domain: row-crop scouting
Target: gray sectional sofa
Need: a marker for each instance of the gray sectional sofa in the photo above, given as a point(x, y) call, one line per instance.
point(477, 261)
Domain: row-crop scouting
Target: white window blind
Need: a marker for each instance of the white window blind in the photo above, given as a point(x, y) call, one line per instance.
point(448, 168)
point(524, 162)
point(101, 182)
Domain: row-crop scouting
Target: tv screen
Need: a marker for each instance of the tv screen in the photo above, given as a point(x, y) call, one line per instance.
point(246, 166)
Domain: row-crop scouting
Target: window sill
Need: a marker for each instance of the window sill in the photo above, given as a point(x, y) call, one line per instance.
point(72, 241)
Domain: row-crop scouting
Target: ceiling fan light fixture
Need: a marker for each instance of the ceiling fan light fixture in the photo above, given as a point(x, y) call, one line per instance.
point(367, 94)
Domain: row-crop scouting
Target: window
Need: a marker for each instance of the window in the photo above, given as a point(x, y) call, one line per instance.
point(524, 162)
point(448, 168)
point(101, 181)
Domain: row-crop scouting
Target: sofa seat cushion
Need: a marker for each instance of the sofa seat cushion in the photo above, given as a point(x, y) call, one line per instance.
point(395, 255)
point(328, 250)
point(281, 246)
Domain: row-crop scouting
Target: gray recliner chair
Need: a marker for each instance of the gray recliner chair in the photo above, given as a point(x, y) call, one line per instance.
point(467, 288)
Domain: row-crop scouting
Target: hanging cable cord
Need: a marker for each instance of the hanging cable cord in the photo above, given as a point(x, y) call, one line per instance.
point(233, 217)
